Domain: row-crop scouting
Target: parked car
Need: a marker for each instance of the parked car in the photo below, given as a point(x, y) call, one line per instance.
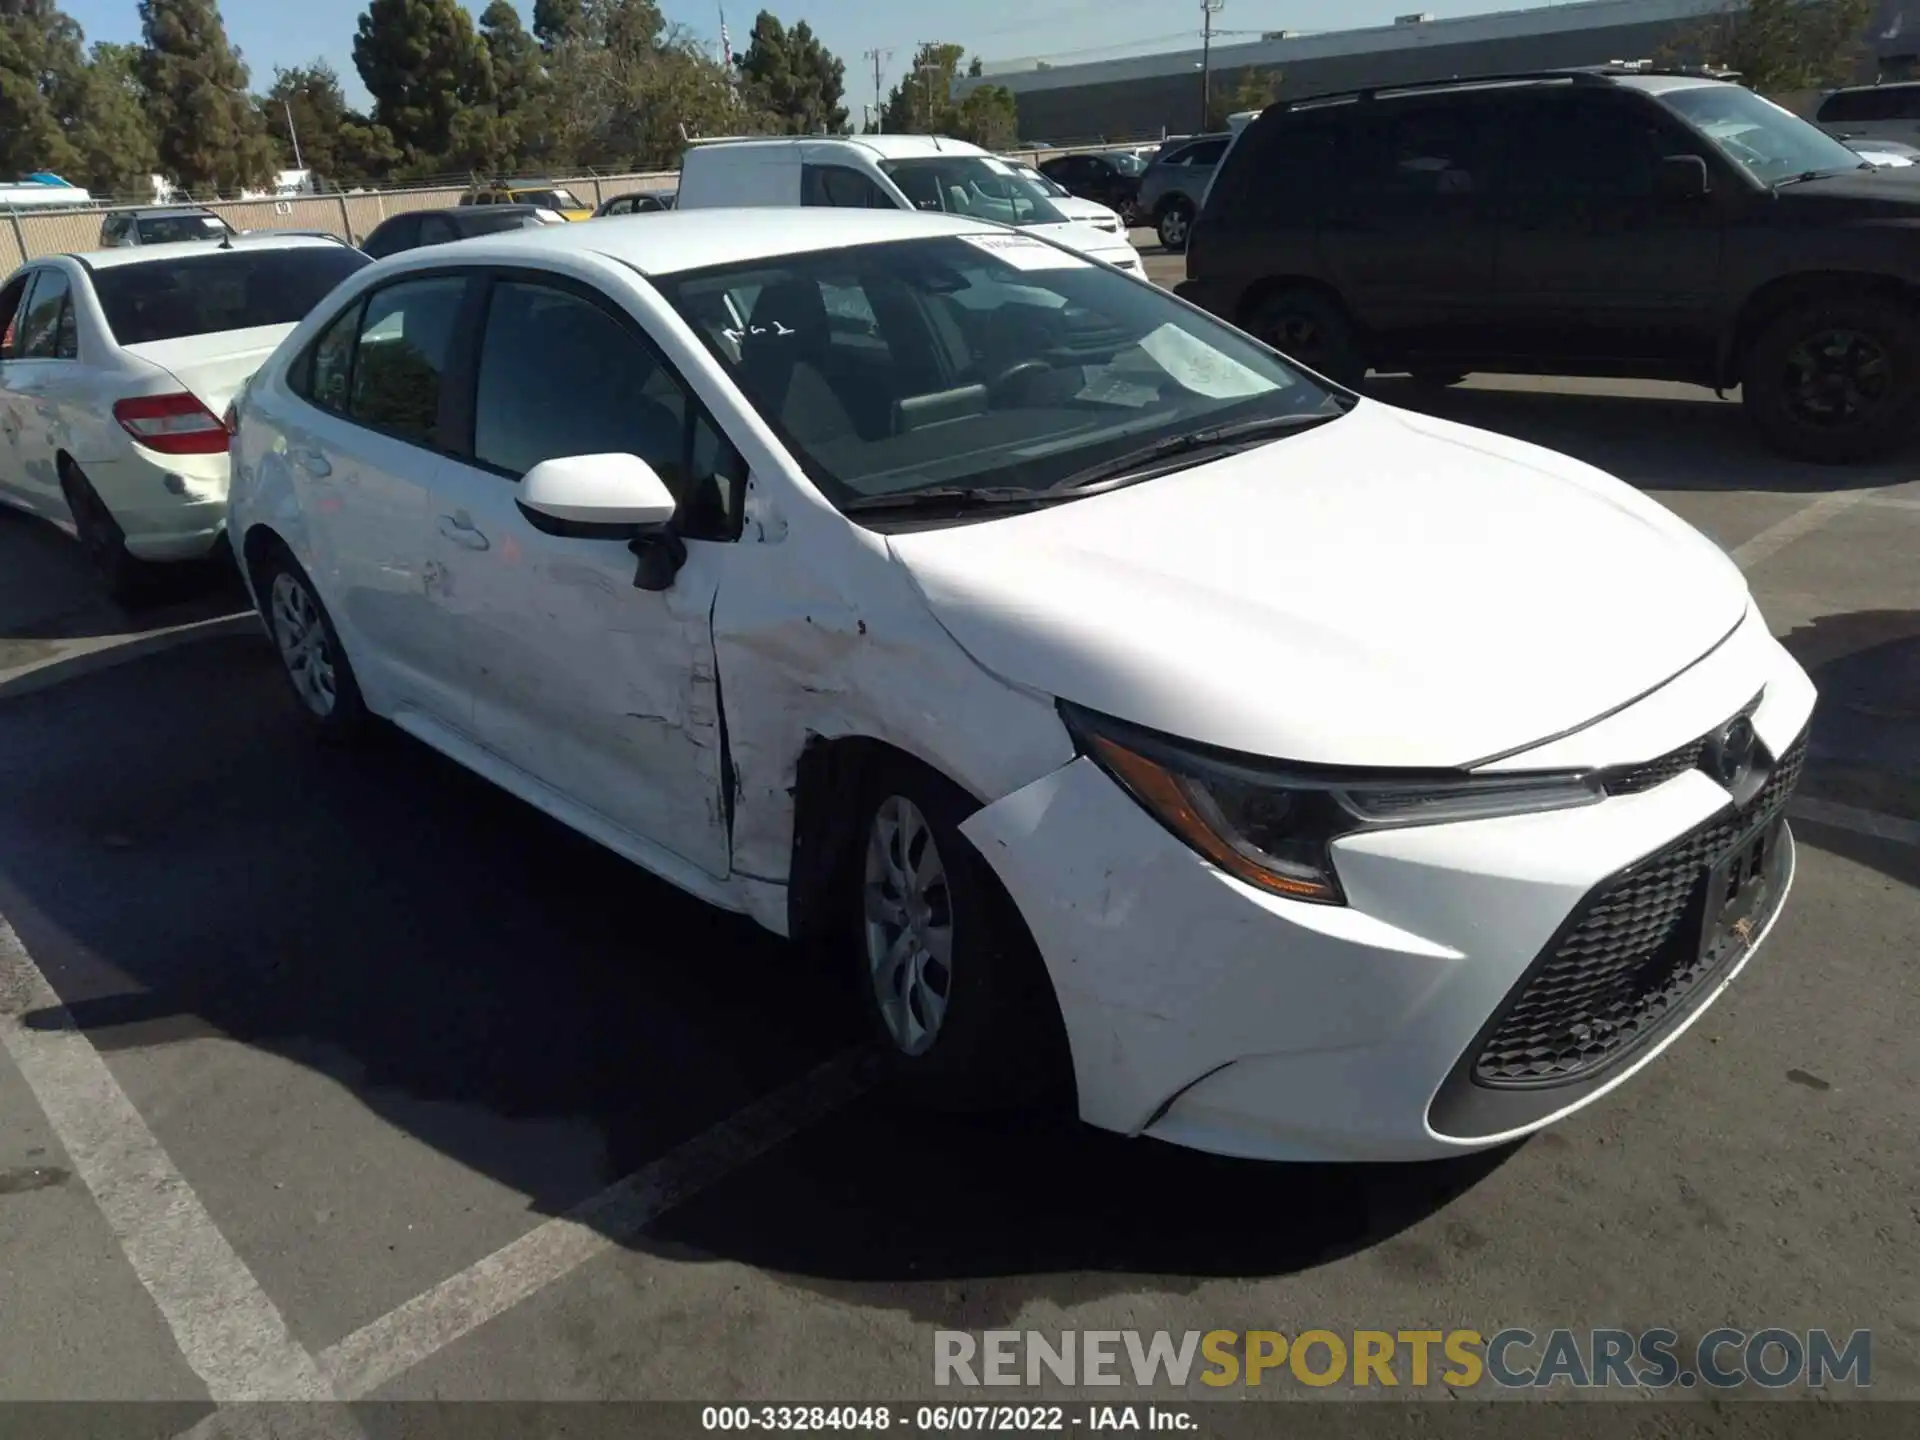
point(437, 227)
point(1112, 178)
point(1872, 112)
point(640, 202)
point(1086, 212)
point(1617, 221)
point(537, 193)
point(115, 370)
point(988, 686)
point(886, 172)
point(1175, 184)
point(1889, 154)
point(162, 225)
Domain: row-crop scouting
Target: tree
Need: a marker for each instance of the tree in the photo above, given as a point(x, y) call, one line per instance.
point(1254, 90)
point(792, 76)
point(106, 122)
point(39, 54)
point(423, 65)
point(339, 146)
point(513, 52)
point(988, 117)
point(206, 128)
point(923, 99)
point(555, 22)
point(975, 68)
point(1780, 46)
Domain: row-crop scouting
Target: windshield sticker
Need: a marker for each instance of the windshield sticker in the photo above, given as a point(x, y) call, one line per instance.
point(1201, 368)
point(1023, 252)
point(1104, 387)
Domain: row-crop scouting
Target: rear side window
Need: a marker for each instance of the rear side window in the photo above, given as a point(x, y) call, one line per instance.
point(236, 289)
point(1881, 102)
point(1286, 169)
point(10, 299)
point(434, 230)
point(1430, 150)
point(489, 224)
point(400, 356)
point(1206, 152)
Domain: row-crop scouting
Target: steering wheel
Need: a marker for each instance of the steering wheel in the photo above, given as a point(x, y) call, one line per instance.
point(1015, 373)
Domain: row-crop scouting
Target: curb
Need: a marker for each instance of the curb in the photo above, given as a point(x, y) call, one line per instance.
point(106, 652)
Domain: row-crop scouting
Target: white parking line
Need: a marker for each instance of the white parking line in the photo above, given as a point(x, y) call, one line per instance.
point(461, 1304)
point(1782, 533)
point(1872, 823)
point(227, 1329)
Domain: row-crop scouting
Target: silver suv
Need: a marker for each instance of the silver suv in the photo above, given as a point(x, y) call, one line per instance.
point(1872, 112)
point(1176, 182)
point(161, 225)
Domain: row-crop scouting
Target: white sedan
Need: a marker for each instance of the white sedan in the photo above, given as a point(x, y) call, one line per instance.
point(1141, 716)
point(1086, 212)
point(115, 371)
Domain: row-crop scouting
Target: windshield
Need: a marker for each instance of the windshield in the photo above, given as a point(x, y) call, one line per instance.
point(981, 360)
point(164, 229)
point(1770, 143)
point(225, 290)
point(1126, 162)
point(1040, 183)
point(554, 199)
point(975, 185)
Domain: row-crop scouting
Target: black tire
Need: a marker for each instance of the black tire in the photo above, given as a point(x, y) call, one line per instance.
point(125, 579)
point(1835, 378)
point(277, 578)
point(1000, 1044)
point(1306, 326)
point(1173, 224)
point(1437, 379)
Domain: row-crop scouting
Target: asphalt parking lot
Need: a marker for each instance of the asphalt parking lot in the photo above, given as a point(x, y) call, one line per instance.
point(342, 1075)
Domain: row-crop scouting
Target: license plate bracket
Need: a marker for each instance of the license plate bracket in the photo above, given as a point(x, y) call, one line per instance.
point(1740, 891)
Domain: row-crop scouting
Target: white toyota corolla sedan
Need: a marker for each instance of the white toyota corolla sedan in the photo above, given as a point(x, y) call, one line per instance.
point(1286, 774)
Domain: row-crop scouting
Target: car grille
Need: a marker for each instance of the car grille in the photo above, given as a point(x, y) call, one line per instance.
point(1632, 779)
point(1630, 962)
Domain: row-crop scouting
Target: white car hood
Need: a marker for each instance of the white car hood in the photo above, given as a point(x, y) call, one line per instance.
point(1091, 212)
point(1087, 241)
point(1387, 589)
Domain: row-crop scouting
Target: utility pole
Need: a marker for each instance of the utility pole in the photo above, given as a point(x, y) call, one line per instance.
point(1208, 9)
point(293, 134)
point(927, 72)
point(879, 58)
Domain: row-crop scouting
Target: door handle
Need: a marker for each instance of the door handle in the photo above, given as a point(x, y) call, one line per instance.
point(460, 530)
point(313, 462)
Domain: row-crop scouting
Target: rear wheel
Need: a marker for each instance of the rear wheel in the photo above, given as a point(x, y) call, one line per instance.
point(1175, 224)
point(124, 578)
point(952, 984)
point(1306, 326)
point(1835, 379)
point(310, 654)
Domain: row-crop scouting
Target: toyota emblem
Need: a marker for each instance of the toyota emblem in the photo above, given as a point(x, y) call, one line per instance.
point(1728, 754)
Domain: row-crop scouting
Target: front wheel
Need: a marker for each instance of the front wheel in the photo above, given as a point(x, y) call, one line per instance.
point(1835, 379)
point(952, 984)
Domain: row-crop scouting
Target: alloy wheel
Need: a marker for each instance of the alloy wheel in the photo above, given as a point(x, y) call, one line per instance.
point(1173, 228)
point(302, 637)
point(1837, 377)
point(908, 907)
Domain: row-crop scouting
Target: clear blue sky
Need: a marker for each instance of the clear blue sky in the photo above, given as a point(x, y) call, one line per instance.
point(275, 32)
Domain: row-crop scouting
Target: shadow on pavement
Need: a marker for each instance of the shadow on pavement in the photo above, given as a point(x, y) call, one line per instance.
point(181, 860)
point(48, 592)
point(1683, 440)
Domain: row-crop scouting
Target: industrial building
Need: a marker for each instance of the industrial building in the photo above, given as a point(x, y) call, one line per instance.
point(1153, 95)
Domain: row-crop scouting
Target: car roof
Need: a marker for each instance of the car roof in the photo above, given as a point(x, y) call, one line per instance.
point(677, 240)
point(181, 249)
point(158, 212)
point(1627, 76)
point(886, 147)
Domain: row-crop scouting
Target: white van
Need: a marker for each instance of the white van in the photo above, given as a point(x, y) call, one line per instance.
point(886, 172)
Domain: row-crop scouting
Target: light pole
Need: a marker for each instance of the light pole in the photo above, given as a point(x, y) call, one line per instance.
point(292, 134)
point(1208, 9)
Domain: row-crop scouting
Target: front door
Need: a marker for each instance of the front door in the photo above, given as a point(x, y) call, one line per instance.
point(602, 692)
point(1411, 239)
point(1593, 267)
point(39, 367)
point(13, 314)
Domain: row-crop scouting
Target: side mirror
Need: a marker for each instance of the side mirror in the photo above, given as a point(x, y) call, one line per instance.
point(608, 497)
point(1681, 177)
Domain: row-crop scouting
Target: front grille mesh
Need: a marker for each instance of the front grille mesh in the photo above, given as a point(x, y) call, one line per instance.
point(1632, 779)
point(1631, 961)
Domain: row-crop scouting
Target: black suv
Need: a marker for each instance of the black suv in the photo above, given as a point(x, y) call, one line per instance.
point(1610, 221)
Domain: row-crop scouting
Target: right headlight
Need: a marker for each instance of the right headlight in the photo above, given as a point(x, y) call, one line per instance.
point(1273, 825)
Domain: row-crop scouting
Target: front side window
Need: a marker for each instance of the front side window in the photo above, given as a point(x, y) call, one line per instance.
point(434, 230)
point(1206, 152)
point(841, 187)
point(169, 229)
point(560, 375)
point(1769, 143)
point(973, 185)
point(990, 360)
point(238, 289)
point(1587, 146)
point(47, 329)
point(10, 315)
point(401, 355)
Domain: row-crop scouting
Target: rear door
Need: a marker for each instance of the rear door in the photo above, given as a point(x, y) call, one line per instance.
point(1410, 242)
point(1592, 267)
point(41, 382)
point(13, 306)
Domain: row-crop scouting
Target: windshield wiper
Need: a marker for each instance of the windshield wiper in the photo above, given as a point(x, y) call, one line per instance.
point(949, 498)
point(1806, 175)
point(1142, 464)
